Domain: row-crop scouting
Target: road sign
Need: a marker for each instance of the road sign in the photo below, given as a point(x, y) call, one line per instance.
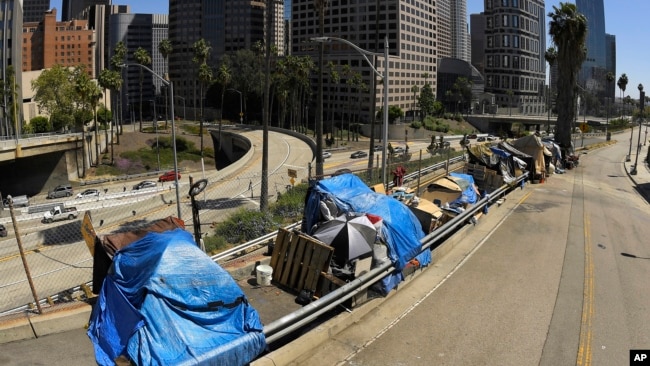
point(241, 114)
point(293, 173)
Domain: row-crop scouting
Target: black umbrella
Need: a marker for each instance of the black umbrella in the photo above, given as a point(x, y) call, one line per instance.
point(352, 236)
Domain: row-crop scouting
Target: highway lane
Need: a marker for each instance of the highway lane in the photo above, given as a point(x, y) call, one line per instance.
point(59, 259)
point(547, 285)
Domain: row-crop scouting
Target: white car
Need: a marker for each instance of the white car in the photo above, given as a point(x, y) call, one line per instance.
point(144, 184)
point(327, 154)
point(88, 193)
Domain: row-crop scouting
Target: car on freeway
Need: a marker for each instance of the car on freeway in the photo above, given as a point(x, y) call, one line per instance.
point(91, 192)
point(491, 137)
point(481, 139)
point(63, 190)
point(3, 231)
point(327, 154)
point(378, 148)
point(144, 184)
point(359, 154)
point(472, 136)
point(169, 176)
point(398, 150)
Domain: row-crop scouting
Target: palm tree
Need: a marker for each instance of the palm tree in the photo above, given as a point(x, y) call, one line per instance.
point(143, 58)
point(568, 30)
point(117, 62)
point(426, 76)
point(335, 78)
point(609, 77)
point(224, 78)
point(165, 48)
point(414, 89)
point(110, 79)
point(201, 50)
point(550, 55)
point(622, 83)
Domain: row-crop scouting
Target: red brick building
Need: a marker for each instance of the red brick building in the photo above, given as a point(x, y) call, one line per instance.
point(50, 42)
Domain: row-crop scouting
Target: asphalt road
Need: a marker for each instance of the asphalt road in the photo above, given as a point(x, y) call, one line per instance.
point(547, 284)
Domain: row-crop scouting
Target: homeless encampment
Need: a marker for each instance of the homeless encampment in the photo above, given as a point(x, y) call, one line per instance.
point(400, 230)
point(533, 146)
point(495, 158)
point(165, 302)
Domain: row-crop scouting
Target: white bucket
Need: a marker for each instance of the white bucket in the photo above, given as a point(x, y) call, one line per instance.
point(264, 274)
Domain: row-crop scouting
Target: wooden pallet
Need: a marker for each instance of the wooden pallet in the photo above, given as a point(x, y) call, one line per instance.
point(298, 260)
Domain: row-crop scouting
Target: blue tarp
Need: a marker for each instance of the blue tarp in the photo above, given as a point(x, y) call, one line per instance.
point(401, 229)
point(469, 194)
point(165, 302)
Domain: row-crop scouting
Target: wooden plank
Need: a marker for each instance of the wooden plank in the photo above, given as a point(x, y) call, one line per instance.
point(283, 234)
point(284, 279)
point(306, 260)
point(281, 250)
point(297, 263)
point(319, 263)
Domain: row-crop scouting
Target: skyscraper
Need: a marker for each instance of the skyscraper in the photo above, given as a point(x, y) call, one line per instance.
point(412, 40)
point(11, 24)
point(594, 68)
point(515, 41)
point(34, 10)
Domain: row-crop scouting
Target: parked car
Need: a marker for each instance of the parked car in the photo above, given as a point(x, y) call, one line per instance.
point(91, 192)
point(481, 139)
point(398, 150)
point(378, 148)
point(3, 231)
point(63, 190)
point(144, 184)
point(491, 137)
point(359, 154)
point(169, 176)
point(327, 154)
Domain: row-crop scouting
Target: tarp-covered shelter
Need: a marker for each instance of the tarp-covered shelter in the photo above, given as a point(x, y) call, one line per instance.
point(494, 158)
point(400, 230)
point(533, 146)
point(165, 302)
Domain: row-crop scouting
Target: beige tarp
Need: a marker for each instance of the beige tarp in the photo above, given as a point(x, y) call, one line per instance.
point(533, 146)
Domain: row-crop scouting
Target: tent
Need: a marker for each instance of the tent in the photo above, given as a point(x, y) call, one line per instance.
point(400, 230)
point(165, 302)
point(532, 145)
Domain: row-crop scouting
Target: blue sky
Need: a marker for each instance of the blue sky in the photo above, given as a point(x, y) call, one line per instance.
point(626, 19)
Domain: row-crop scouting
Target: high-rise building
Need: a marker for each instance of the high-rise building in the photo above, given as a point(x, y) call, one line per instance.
point(140, 31)
point(34, 10)
point(594, 68)
point(459, 34)
point(48, 43)
point(515, 42)
point(11, 24)
point(72, 9)
point(227, 26)
point(610, 63)
point(411, 31)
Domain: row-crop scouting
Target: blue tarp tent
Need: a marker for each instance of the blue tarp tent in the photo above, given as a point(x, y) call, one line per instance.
point(401, 229)
point(165, 302)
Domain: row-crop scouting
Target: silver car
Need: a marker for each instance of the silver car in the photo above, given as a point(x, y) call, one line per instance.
point(63, 190)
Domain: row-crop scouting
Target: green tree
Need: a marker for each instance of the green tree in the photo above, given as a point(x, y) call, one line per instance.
point(201, 49)
point(109, 79)
point(87, 95)
point(415, 89)
point(117, 63)
point(550, 55)
point(165, 48)
point(335, 78)
point(426, 101)
point(39, 124)
point(53, 93)
point(622, 84)
point(568, 30)
point(143, 58)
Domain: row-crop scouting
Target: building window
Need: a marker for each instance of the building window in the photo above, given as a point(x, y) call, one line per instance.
point(515, 21)
point(504, 20)
point(506, 61)
point(506, 40)
point(515, 41)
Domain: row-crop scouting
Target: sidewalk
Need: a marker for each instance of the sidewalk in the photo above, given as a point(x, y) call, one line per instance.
point(641, 179)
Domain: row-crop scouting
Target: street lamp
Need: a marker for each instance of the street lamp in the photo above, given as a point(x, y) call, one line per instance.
point(241, 111)
point(155, 126)
point(384, 77)
point(638, 149)
point(171, 91)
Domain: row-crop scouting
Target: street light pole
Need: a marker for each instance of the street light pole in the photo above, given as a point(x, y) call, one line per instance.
point(638, 148)
point(384, 77)
point(171, 92)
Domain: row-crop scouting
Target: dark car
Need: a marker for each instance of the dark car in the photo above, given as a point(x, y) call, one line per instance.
point(359, 154)
point(144, 184)
point(481, 139)
point(63, 190)
point(3, 231)
point(169, 176)
point(472, 136)
point(378, 148)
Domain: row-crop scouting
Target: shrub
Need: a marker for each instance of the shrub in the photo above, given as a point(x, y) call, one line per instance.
point(245, 225)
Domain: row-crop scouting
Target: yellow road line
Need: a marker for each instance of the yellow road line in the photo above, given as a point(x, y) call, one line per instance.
point(584, 349)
